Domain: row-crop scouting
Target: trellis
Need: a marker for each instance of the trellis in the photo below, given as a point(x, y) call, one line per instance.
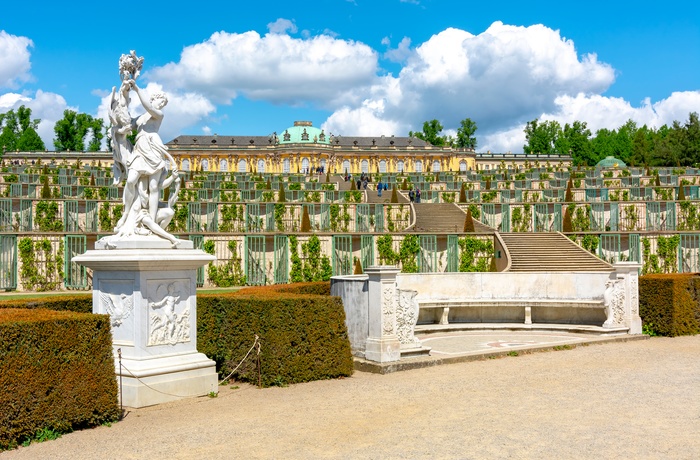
point(427, 260)
point(342, 255)
point(74, 275)
point(8, 262)
point(255, 260)
point(281, 259)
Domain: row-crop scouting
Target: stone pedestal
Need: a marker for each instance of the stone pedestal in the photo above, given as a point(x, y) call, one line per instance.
point(627, 274)
point(150, 294)
point(383, 344)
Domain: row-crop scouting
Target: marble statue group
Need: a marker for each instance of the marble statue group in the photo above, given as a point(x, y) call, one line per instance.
point(145, 164)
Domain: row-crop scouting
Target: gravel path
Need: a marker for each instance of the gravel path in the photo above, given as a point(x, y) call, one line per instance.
point(636, 399)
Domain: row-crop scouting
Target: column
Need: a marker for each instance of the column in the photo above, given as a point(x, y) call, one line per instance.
point(628, 275)
point(383, 344)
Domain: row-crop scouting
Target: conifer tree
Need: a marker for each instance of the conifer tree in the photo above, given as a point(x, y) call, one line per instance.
point(463, 193)
point(469, 222)
point(305, 221)
point(394, 195)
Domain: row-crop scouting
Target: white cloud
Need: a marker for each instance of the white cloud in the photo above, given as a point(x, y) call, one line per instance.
point(281, 26)
point(400, 53)
point(277, 68)
point(601, 112)
point(14, 56)
point(366, 120)
point(184, 109)
point(503, 77)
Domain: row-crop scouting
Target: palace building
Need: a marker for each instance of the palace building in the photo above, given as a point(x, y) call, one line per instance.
point(303, 148)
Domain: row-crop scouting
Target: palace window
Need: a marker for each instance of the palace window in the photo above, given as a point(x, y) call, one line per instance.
point(305, 165)
point(323, 164)
point(205, 165)
point(346, 166)
point(462, 166)
point(364, 166)
point(242, 166)
point(286, 166)
point(419, 166)
point(382, 166)
point(223, 166)
point(185, 165)
point(436, 166)
point(261, 166)
point(399, 166)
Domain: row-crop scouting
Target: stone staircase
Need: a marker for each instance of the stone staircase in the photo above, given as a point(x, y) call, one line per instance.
point(443, 218)
point(549, 252)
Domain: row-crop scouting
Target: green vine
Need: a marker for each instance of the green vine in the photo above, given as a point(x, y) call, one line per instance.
point(475, 254)
point(32, 276)
point(228, 274)
point(46, 217)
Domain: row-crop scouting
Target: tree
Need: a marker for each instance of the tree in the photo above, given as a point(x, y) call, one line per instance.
point(431, 133)
point(541, 137)
point(575, 139)
point(72, 129)
point(19, 131)
point(465, 134)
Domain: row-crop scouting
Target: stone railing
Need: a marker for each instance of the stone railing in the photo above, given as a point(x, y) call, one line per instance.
point(383, 306)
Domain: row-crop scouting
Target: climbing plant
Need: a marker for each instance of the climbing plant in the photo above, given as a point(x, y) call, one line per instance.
point(46, 217)
point(37, 276)
point(228, 274)
point(475, 254)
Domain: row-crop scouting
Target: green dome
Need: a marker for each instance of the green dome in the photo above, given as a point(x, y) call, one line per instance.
point(303, 132)
point(611, 162)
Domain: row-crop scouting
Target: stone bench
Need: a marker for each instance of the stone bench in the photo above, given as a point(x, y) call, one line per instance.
point(512, 311)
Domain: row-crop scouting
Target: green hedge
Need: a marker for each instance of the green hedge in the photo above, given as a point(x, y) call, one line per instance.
point(303, 337)
point(301, 327)
point(668, 303)
point(80, 303)
point(56, 373)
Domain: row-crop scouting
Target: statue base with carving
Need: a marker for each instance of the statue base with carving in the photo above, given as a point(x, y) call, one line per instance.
point(149, 291)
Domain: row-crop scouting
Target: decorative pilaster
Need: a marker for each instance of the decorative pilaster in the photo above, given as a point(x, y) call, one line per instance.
point(383, 344)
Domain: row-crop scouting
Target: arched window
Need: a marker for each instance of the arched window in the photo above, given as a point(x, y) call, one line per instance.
point(323, 164)
point(364, 166)
point(242, 166)
point(223, 166)
point(286, 166)
point(205, 165)
point(436, 166)
point(346, 166)
point(261, 166)
point(419, 166)
point(382, 166)
point(462, 166)
point(305, 165)
point(399, 166)
point(185, 165)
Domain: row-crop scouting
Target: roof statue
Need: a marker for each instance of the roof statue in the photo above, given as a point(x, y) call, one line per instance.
point(146, 165)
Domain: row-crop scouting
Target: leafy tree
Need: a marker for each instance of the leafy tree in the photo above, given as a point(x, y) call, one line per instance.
point(431, 133)
point(575, 139)
point(19, 131)
point(465, 134)
point(72, 129)
point(541, 137)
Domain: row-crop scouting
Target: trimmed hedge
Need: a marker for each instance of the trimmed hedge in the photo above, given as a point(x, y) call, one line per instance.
point(76, 303)
point(303, 337)
point(56, 372)
point(668, 303)
point(301, 327)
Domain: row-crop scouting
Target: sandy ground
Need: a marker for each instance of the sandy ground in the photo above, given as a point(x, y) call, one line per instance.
point(623, 400)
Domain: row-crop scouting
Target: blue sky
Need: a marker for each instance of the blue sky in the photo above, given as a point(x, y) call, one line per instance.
point(361, 67)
